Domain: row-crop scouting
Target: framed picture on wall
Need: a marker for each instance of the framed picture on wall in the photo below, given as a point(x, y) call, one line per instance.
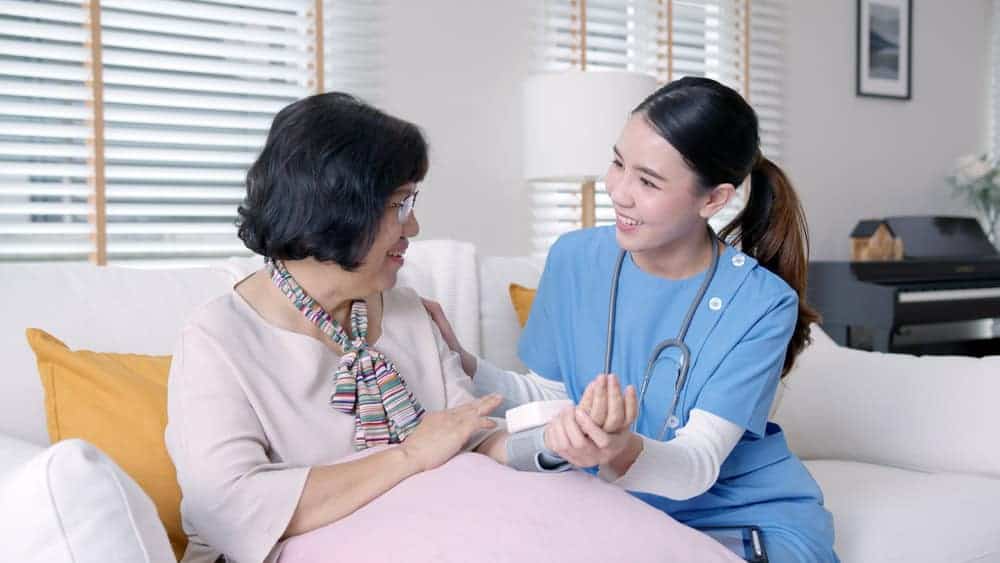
point(884, 48)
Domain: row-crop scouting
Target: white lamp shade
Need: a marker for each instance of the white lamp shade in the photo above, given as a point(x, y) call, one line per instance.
point(573, 119)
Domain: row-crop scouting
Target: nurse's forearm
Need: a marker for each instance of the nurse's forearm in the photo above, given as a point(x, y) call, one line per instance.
point(516, 388)
point(684, 467)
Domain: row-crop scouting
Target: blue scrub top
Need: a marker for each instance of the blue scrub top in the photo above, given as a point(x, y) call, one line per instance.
point(737, 339)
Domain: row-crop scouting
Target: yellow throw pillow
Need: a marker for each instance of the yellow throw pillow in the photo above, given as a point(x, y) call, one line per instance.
point(522, 297)
point(117, 402)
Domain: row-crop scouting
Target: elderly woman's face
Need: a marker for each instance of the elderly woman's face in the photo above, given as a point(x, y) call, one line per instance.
point(386, 255)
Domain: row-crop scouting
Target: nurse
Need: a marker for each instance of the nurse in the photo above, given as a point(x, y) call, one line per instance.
point(719, 466)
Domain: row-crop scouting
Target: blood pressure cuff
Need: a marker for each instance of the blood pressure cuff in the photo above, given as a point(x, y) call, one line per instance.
point(526, 451)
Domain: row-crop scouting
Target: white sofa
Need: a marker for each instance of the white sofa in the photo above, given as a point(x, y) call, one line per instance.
point(903, 447)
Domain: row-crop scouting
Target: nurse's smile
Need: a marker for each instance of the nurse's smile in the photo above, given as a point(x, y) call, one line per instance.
point(625, 223)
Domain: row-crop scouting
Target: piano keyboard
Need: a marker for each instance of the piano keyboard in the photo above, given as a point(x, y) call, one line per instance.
point(928, 295)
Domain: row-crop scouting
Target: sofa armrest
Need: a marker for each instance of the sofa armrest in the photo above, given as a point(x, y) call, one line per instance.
point(928, 413)
point(15, 452)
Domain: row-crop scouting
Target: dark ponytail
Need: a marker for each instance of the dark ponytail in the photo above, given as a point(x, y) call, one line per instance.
point(772, 228)
point(716, 131)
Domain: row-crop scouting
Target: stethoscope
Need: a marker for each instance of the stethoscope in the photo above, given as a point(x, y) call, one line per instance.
point(672, 422)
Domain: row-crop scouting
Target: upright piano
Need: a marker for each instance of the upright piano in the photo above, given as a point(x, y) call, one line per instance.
point(943, 297)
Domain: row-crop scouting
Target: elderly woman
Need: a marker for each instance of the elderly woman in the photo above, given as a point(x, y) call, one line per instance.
point(316, 356)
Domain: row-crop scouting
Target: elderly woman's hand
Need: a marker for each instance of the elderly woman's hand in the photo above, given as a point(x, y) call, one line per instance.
point(441, 434)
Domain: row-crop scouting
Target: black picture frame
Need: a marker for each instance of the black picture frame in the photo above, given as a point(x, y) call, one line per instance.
point(886, 71)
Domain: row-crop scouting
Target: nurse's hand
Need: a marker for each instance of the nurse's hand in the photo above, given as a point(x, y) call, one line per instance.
point(564, 436)
point(469, 361)
point(608, 407)
point(578, 440)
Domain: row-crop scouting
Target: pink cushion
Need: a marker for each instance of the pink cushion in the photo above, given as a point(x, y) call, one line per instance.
point(474, 509)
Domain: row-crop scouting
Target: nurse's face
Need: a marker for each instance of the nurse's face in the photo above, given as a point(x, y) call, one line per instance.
point(658, 202)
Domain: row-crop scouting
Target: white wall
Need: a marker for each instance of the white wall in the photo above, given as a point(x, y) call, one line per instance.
point(853, 157)
point(455, 69)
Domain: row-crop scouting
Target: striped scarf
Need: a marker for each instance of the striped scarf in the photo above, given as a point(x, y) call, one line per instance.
point(367, 384)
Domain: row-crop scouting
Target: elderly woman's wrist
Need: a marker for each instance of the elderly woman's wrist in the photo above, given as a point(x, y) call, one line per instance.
point(623, 461)
point(410, 460)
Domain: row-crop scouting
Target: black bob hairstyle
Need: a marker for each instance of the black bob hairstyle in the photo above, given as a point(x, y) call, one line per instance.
point(322, 182)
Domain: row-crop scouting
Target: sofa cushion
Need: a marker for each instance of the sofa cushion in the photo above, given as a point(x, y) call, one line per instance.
point(888, 514)
point(928, 413)
point(117, 402)
point(110, 309)
point(14, 453)
point(500, 328)
point(521, 298)
point(72, 504)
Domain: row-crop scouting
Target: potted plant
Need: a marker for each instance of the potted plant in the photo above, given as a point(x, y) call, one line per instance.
point(977, 180)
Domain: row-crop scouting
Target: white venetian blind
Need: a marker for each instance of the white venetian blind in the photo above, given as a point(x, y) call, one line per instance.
point(189, 91)
point(668, 39)
point(352, 56)
point(767, 56)
point(45, 131)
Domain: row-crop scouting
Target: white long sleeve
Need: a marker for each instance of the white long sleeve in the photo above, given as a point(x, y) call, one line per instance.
point(516, 388)
point(679, 469)
point(685, 466)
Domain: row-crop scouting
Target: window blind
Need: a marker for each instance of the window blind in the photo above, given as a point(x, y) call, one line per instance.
point(189, 91)
point(353, 59)
point(668, 39)
point(46, 130)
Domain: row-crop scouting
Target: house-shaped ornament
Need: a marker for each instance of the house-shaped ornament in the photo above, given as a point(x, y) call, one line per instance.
point(874, 241)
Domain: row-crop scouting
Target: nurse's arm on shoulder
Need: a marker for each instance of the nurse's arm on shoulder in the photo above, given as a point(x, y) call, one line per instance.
point(516, 388)
point(436, 312)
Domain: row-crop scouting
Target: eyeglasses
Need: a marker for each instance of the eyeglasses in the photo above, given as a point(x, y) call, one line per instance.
point(405, 208)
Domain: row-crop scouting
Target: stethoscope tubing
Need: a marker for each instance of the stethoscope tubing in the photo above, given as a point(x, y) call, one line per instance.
point(676, 342)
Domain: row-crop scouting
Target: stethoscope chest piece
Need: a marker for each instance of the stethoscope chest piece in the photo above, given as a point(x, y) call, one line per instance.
point(673, 422)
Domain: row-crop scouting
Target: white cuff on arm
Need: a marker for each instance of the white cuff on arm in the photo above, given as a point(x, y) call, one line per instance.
point(684, 467)
point(516, 388)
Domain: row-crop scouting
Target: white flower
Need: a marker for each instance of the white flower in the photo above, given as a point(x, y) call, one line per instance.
point(971, 168)
point(965, 160)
